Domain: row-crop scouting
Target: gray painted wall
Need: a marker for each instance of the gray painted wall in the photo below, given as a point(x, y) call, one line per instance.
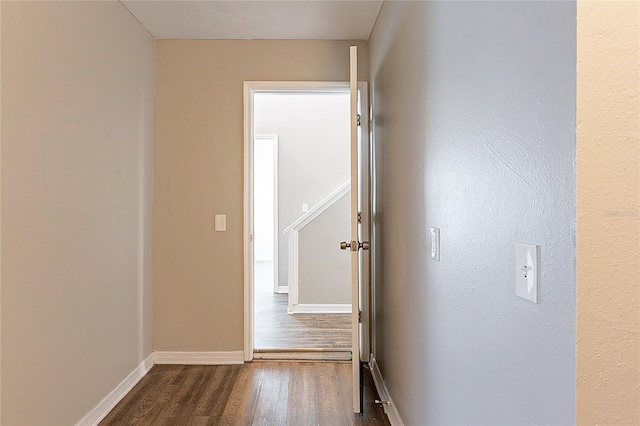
point(325, 270)
point(77, 192)
point(474, 132)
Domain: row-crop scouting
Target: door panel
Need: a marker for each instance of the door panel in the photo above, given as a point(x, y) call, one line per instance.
point(355, 281)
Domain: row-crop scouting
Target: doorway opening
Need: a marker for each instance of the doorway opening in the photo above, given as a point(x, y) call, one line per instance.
point(301, 210)
point(358, 243)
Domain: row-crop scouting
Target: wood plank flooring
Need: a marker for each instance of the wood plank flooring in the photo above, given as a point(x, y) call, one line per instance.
point(276, 329)
point(258, 393)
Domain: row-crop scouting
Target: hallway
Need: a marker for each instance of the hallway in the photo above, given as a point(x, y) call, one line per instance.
point(126, 169)
point(276, 329)
point(258, 393)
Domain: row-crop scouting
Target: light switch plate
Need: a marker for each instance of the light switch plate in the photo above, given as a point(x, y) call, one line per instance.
point(527, 272)
point(305, 207)
point(220, 222)
point(435, 244)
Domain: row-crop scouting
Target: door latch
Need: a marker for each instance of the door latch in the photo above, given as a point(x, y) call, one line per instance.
point(354, 245)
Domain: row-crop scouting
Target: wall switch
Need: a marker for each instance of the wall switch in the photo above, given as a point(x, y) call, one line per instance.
point(220, 222)
point(305, 207)
point(527, 272)
point(435, 244)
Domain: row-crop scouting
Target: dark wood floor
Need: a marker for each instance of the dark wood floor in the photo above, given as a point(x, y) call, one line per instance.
point(258, 393)
point(276, 329)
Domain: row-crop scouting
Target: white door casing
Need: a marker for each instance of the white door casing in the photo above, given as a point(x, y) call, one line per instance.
point(272, 140)
point(250, 88)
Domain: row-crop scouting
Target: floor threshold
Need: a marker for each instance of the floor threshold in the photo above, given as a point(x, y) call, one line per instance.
point(303, 354)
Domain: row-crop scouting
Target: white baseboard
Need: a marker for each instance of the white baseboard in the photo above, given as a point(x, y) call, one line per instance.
point(324, 308)
point(199, 358)
point(100, 411)
point(389, 407)
point(283, 289)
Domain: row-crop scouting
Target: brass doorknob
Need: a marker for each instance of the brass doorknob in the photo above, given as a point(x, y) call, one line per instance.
point(344, 245)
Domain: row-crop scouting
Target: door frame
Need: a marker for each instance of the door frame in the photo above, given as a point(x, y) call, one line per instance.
point(274, 140)
point(249, 89)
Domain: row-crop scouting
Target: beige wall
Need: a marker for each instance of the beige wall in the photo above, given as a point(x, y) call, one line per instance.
point(608, 223)
point(77, 135)
point(198, 273)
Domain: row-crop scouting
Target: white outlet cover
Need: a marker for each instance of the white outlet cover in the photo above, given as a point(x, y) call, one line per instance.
point(527, 272)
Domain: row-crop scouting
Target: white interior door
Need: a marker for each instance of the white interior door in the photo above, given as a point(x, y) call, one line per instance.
point(360, 229)
point(354, 243)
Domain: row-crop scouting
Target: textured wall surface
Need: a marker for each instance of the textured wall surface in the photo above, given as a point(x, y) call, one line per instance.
point(324, 268)
point(198, 273)
point(608, 228)
point(77, 139)
point(474, 132)
point(313, 139)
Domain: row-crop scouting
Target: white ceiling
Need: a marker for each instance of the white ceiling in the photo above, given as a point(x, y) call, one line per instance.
point(263, 19)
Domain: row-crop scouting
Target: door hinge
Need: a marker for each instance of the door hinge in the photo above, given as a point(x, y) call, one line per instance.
point(358, 119)
point(359, 217)
point(359, 317)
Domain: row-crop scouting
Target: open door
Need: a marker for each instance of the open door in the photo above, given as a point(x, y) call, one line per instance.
point(356, 244)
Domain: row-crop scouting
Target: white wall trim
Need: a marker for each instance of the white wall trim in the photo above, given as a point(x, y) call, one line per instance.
point(294, 239)
point(321, 308)
point(199, 358)
point(298, 86)
point(283, 289)
point(248, 91)
point(319, 208)
point(249, 88)
point(273, 138)
point(292, 300)
point(100, 411)
point(390, 408)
